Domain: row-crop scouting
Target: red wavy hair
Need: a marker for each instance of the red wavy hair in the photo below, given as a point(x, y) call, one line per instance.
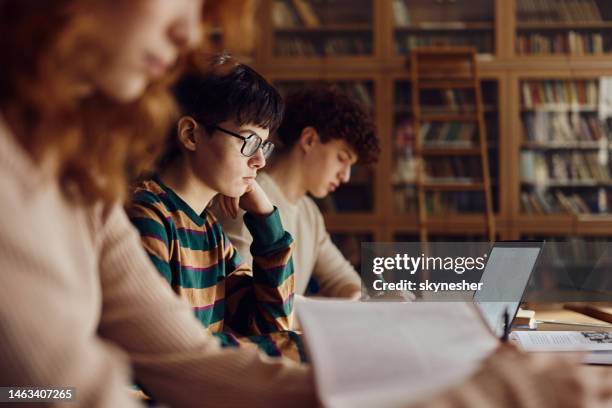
point(97, 143)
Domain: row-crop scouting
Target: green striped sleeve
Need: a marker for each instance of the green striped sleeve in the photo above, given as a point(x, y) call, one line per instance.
point(271, 282)
point(154, 236)
point(268, 233)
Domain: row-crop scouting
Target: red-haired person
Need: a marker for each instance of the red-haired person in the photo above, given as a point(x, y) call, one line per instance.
point(82, 100)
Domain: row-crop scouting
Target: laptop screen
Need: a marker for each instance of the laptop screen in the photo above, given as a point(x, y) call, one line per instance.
point(504, 280)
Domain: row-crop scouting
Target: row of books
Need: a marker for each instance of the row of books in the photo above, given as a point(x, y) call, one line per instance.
point(438, 203)
point(563, 128)
point(453, 169)
point(404, 171)
point(440, 134)
point(572, 42)
point(445, 14)
point(559, 92)
point(454, 100)
point(361, 91)
point(307, 13)
point(446, 100)
point(457, 202)
point(574, 168)
point(406, 42)
point(555, 202)
point(451, 98)
point(557, 10)
point(441, 170)
point(335, 45)
point(448, 134)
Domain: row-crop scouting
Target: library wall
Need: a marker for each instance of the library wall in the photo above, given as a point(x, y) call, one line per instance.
point(546, 69)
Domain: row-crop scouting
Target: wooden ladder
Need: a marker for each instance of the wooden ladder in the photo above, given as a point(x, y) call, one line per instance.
point(448, 69)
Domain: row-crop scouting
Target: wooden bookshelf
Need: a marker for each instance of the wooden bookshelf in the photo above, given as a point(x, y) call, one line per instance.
point(461, 197)
point(391, 209)
point(424, 24)
point(562, 28)
point(567, 147)
point(307, 29)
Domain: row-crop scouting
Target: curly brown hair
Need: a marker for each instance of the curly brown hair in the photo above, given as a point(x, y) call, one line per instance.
point(334, 115)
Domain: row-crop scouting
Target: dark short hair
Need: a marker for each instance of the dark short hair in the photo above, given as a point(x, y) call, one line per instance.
point(334, 115)
point(222, 90)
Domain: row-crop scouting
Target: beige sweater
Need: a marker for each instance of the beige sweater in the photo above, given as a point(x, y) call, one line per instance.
point(314, 253)
point(81, 302)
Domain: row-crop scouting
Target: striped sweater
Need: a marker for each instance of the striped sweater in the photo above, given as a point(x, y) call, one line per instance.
point(195, 256)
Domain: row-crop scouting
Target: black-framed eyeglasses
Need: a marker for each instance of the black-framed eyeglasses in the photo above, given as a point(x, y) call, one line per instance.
point(251, 143)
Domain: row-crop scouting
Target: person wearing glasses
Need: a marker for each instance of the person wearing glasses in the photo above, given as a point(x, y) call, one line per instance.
point(322, 129)
point(219, 144)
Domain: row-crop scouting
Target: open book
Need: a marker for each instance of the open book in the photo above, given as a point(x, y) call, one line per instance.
point(597, 345)
point(390, 354)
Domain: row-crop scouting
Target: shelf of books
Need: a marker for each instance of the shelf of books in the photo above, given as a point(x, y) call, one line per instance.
point(344, 200)
point(322, 28)
point(565, 171)
point(452, 150)
point(426, 23)
point(547, 107)
point(563, 27)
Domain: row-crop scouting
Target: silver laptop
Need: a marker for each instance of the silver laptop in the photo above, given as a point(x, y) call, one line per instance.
point(507, 272)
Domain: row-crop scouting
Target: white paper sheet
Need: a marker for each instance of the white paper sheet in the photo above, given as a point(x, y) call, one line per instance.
point(390, 354)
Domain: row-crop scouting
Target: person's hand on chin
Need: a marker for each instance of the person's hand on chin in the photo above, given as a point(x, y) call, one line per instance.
point(254, 201)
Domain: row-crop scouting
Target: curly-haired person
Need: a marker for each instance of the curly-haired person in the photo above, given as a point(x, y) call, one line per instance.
point(323, 134)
